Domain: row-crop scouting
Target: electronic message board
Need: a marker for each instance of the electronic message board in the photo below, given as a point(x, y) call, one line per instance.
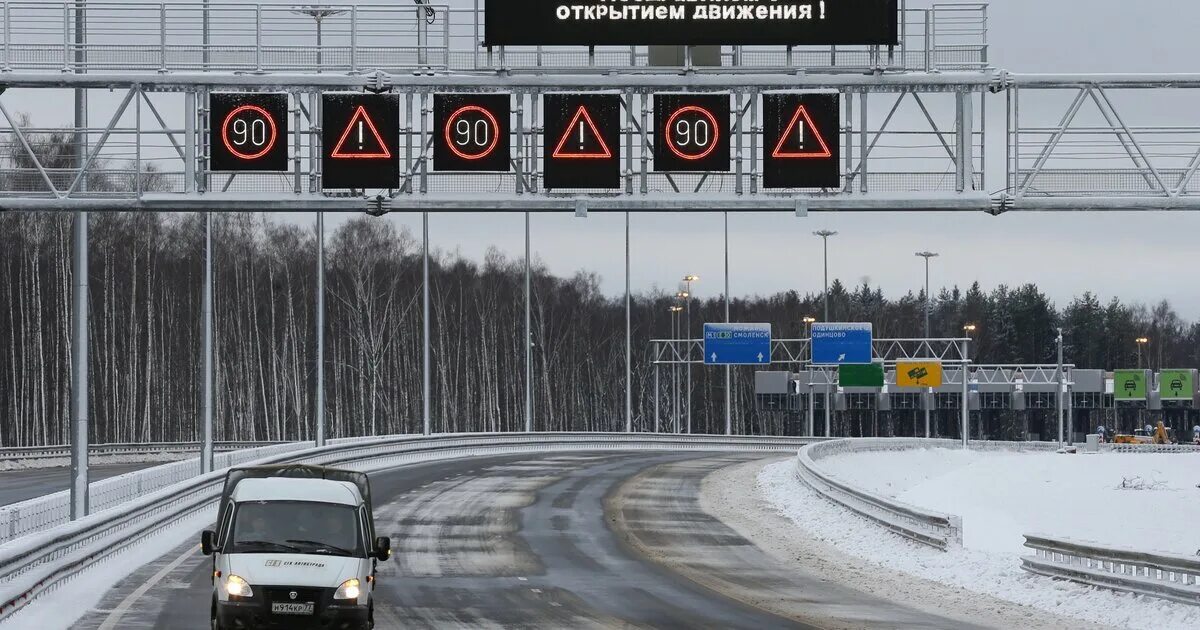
point(583, 141)
point(691, 23)
point(248, 131)
point(360, 139)
point(691, 132)
point(801, 147)
point(471, 132)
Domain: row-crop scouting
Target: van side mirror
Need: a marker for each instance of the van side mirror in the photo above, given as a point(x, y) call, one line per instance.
point(383, 548)
point(207, 542)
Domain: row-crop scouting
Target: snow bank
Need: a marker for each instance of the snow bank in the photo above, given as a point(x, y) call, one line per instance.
point(1002, 496)
point(993, 573)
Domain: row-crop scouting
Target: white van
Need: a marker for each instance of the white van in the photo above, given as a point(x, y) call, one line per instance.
point(294, 547)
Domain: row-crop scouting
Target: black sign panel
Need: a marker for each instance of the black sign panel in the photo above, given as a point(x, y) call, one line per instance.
point(361, 136)
point(583, 140)
point(801, 146)
point(691, 132)
point(248, 132)
point(688, 22)
point(471, 132)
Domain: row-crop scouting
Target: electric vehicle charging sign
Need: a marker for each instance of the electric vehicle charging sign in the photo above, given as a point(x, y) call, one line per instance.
point(471, 132)
point(360, 136)
point(582, 141)
point(691, 132)
point(248, 132)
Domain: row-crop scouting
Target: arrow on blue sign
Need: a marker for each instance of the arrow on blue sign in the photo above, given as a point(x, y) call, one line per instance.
point(841, 344)
point(737, 344)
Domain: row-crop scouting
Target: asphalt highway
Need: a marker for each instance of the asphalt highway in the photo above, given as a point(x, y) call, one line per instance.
point(552, 541)
point(20, 485)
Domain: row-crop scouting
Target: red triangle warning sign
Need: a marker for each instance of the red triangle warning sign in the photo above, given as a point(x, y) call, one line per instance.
point(582, 140)
point(801, 139)
point(361, 140)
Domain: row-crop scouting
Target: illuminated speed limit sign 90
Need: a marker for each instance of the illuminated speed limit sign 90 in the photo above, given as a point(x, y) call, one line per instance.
point(248, 132)
point(691, 132)
point(471, 132)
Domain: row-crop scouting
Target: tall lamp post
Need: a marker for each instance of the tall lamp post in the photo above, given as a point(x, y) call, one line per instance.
point(1141, 341)
point(928, 307)
point(808, 322)
point(825, 234)
point(675, 310)
point(318, 12)
point(928, 303)
point(968, 329)
point(686, 295)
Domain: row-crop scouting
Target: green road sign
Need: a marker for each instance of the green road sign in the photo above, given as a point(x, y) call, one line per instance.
point(1176, 384)
point(1129, 385)
point(863, 375)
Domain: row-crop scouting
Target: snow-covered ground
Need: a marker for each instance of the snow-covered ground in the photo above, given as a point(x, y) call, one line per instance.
point(1002, 495)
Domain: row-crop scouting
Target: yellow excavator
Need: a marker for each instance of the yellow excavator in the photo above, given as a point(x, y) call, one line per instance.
point(1159, 435)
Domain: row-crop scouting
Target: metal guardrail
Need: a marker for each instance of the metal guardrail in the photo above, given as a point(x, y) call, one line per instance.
point(41, 513)
point(266, 37)
point(1165, 576)
point(9, 453)
point(39, 563)
point(934, 529)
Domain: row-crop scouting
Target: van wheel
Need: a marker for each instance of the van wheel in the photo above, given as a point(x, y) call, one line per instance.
point(214, 622)
point(370, 617)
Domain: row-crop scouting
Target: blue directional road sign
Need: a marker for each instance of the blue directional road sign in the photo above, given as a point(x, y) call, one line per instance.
point(737, 344)
point(841, 344)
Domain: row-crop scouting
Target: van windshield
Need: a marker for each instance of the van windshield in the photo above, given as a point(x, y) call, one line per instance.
point(296, 527)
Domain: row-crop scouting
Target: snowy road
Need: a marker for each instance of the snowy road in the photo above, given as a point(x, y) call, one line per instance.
point(549, 541)
point(19, 485)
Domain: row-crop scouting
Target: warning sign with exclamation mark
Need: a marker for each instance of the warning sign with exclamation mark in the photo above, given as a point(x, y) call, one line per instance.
point(801, 134)
point(583, 141)
point(360, 133)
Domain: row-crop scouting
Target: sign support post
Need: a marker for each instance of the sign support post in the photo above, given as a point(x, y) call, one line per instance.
point(966, 396)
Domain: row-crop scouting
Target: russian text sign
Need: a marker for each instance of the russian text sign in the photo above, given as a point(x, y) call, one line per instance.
point(841, 343)
point(691, 23)
point(737, 344)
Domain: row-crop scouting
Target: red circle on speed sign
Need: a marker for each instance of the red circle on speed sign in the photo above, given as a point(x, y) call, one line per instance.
point(248, 133)
point(712, 143)
point(458, 115)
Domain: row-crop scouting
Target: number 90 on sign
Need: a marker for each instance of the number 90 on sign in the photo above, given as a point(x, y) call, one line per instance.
point(472, 132)
point(247, 131)
point(691, 132)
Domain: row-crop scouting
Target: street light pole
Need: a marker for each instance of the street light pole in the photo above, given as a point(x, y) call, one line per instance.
point(825, 234)
point(1058, 388)
point(686, 294)
point(928, 307)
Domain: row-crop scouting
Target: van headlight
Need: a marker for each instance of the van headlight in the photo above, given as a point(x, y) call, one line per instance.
point(348, 590)
point(237, 587)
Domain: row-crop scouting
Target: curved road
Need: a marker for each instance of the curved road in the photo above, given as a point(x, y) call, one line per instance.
point(551, 541)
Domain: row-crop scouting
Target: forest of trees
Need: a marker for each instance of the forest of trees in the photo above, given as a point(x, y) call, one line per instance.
point(145, 279)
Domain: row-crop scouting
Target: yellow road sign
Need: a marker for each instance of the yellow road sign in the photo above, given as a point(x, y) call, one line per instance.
point(919, 374)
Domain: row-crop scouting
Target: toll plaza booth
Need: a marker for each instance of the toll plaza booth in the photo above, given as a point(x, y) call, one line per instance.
point(1089, 403)
point(1176, 395)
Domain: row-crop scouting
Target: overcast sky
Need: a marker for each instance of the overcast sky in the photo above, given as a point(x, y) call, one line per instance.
point(1137, 257)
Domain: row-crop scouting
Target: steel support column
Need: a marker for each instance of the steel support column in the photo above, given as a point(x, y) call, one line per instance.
point(426, 400)
point(966, 402)
point(79, 370)
point(319, 387)
point(206, 402)
point(628, 338)
point(528, 334)
point(728, 368)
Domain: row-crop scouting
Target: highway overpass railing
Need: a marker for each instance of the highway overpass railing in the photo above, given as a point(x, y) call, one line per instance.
point(41, 513)
point(1153, 574)
point(11, 453)
point(41, 562)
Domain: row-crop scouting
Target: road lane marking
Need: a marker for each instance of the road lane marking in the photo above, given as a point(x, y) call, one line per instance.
point(114, 617)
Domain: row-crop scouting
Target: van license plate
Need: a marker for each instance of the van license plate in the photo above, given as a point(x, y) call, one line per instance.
point(287, 608)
